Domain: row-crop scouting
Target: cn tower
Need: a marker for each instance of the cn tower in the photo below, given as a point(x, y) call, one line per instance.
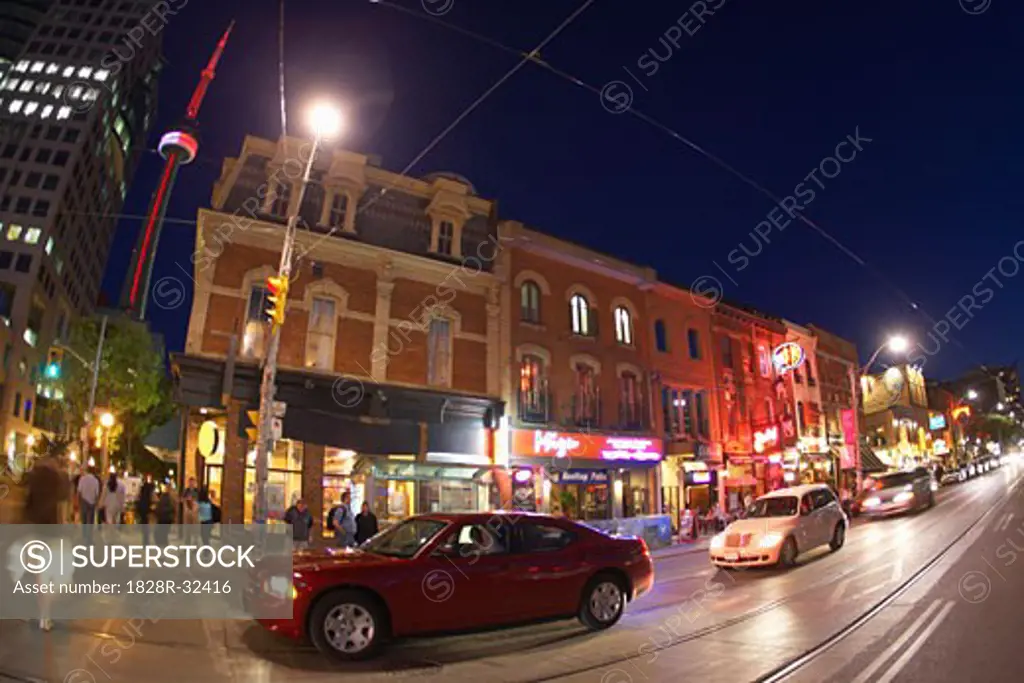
point(178, 146)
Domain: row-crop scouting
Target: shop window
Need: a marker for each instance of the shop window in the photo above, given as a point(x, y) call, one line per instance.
point(630, 406)
point(529, 302)
point(320, 337)
point(660, 336)
point(282, 198)
point(623, 326)
point(539, 538)
point(284, 480)
point(533, 403)
point(580, 315)
point(439, 353)
point(587, 400)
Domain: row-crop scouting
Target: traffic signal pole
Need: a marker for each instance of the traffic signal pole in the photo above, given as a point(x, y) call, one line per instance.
point(279, 286)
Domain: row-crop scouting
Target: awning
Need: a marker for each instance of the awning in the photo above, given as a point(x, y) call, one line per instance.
point(869, 462)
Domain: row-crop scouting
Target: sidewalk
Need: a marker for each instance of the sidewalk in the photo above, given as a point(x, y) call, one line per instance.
point(684, 548)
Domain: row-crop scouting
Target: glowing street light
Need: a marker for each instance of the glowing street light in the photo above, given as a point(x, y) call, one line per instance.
point(972, 394)
point(896, 343)
point(325, 120)
point(107, 420)
point(1000, 406)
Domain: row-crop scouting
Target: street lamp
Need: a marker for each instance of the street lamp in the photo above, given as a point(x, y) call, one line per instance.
point(1000, 406)
point(972, 394)
point(325, 120)
point(897, 343)
point(107, 420)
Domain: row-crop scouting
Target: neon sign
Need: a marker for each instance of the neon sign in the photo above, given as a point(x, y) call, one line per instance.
point(766, 437)
point(625, 448)
point(961, 411)
point(702, 477)
point(788, 356)
point(554, 442)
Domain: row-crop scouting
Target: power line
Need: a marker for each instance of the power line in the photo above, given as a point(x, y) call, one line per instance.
point(533, 56)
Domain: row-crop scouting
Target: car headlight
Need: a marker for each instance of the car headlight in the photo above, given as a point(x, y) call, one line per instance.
point(770, 540)
point(718, 541)
point(904, 497)
point(280, 587)
point(872, 502)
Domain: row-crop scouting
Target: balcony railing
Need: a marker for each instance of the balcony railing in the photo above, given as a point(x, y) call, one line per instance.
point(631, 416)
point(586, 409)
point(534, 405)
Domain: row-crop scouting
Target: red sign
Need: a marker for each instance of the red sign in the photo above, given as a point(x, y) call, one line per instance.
point(766, 438)
point(542, 443)
point(788, 356)
point(849, 419)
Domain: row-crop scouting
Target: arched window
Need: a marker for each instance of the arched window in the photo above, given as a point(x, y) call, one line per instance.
point(623, 326)
point(529, 302)
point(660, 337)
point(579, 315)
point(533, 403)
point(630, 416)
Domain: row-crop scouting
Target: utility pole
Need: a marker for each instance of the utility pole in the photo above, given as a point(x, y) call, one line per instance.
point(279, 293)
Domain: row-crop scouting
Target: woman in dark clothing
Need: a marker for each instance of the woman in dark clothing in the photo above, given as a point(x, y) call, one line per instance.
point(366, 524)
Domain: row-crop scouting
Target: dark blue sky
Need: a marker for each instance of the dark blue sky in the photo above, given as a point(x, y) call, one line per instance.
point(931, 204)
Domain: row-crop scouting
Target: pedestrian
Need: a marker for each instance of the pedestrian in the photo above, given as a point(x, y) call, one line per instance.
point(189, 515)
point(366, 524)
point(143, 507)
point(112, 500)
point(164, 517)
point(47, 487)
point(299, 517)
point(344, 521)
point(88, 490)
point(205, 510)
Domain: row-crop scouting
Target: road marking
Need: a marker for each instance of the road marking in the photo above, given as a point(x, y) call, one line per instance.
point(1005, 525)
point(912, 650)
point(840, 590)
point(867, 673)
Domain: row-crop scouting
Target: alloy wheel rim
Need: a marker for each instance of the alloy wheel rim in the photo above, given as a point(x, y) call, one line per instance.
point(605, 601)
point(349, 628)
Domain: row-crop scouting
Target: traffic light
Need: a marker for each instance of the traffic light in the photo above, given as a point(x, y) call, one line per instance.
point(54, 361)
point(278, 288)
point(249, 425)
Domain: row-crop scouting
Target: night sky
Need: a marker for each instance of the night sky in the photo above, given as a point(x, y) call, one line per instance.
point(930, 205)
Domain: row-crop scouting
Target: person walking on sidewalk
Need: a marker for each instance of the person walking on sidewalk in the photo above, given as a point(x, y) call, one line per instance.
point(47, 488)
point(344, 522)
point(205, 510)
point(112, 500)
point(366, 524)
point(164, 517)
point(88, 497)
point(143, 507)
point(302, 523)
point(189, 515)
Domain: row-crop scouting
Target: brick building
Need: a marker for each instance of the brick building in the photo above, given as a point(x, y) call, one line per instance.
point(389, 353)
point(686, 413)
point(838, 367)
point(582, 436)
point(754, 404)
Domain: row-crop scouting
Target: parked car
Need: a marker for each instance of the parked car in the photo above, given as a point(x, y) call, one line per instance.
point(898, 492)
point(456, 572)
point(780, 526)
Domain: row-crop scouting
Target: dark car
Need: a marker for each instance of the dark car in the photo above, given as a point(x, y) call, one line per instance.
point(898, 492)
point(458, 572)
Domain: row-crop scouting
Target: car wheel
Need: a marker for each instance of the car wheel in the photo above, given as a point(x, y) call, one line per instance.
point(787, 555)
point(602, 603)
point(838, 537)
point(348, 626)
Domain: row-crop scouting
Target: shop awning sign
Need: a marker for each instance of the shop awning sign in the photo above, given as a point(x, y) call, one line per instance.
point(788, 356)
point(544, 443)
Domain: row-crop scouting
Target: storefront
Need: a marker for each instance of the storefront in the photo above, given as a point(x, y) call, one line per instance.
point(585, 476)
point(688, 483)
point(400, 450)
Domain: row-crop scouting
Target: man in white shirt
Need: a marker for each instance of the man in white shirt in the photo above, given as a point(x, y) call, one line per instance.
point(88, 496)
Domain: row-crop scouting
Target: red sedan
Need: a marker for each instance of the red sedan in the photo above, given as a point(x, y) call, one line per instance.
point(458, 572)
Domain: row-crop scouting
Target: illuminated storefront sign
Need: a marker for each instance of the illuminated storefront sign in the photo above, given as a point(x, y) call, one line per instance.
point(701, 477)
point(939, 447)
point(961, 411)
point(937, 421)
point(766, 437)
point(540, 443)
point(788, 356)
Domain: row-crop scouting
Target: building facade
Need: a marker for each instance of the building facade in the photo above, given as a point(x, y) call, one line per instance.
point(837, 369)
point(804, 386)
point(582, 438)
point(75, 106)
point(896, 416)
point(686, 405)
point(755, 405)
point(388, 366)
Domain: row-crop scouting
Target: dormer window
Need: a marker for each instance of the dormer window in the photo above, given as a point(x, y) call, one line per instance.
point(445, 238)
point(282, 197)
point(339, 206)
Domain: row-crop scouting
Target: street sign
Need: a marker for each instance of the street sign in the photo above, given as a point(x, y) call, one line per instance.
point(279, 408)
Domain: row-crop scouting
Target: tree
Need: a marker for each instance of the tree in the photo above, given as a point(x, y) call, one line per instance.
point(57, 447)
point(132, 382)
point(994, 427)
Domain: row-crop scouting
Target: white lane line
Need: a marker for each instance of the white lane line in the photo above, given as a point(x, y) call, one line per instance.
point(867, 673)
point(1006, 524)
point(912, 650)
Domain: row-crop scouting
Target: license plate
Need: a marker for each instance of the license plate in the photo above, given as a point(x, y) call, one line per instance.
point(732, 557)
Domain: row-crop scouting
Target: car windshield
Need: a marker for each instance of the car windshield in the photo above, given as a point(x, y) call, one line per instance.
point(776, 506)
point(899, 479)
point(404, 539)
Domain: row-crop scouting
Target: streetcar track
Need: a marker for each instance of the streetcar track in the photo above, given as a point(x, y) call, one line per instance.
point(775, 604)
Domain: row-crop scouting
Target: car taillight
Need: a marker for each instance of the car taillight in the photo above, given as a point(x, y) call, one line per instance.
point(643, 547)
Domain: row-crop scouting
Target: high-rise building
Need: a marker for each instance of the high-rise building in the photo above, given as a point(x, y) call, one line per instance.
point(75, 105)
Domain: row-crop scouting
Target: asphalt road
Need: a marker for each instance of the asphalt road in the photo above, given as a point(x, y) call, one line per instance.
point(706, 624)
